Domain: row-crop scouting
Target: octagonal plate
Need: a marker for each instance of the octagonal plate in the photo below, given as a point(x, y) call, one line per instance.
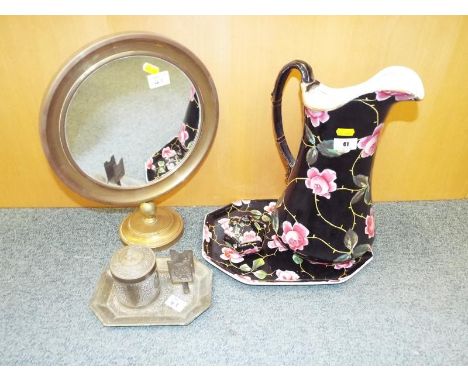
point(247, 271)
point(111, 313)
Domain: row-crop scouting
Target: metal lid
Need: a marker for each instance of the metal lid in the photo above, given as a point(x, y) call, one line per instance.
point(132, 263)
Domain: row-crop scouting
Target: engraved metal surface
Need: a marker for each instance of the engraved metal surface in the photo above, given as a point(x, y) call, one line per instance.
point(181, 268)
point(132, 264)
point(138, 294)
point(111, 312)
point(135, 276)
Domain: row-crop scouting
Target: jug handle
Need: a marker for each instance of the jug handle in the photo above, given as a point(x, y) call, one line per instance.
point(307, 77)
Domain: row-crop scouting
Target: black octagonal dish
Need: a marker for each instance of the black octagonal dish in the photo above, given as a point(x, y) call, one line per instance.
point(232, 242)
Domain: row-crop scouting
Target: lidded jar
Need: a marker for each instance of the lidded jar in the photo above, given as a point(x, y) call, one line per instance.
point(134, 271)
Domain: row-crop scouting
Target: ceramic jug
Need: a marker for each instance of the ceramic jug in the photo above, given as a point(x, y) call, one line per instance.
point(322, 228)
point(326, 213)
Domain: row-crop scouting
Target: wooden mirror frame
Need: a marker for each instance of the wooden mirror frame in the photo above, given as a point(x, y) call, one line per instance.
point(80, 67)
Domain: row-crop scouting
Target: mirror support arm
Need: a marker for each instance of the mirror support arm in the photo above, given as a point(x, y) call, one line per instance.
point(148, 210)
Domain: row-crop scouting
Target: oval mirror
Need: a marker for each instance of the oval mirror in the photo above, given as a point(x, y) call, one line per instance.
point(126, 120)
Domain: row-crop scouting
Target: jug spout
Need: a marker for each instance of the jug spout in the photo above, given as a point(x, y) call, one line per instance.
point(399, 81)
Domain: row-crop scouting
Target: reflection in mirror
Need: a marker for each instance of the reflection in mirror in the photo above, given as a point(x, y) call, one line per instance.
point(139, 115)
point(126, 120)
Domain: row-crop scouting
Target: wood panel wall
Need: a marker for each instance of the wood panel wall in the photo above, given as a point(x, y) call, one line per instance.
point(422, 154)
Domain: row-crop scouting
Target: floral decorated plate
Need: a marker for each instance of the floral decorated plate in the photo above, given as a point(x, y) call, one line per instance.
point(233, 242)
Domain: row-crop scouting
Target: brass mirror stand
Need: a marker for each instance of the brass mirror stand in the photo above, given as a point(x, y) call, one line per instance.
point(151, 226)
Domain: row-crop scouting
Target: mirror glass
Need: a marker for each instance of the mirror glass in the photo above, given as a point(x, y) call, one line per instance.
point(132, 121)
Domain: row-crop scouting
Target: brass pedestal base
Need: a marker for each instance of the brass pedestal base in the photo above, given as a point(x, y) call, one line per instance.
point(152, 227)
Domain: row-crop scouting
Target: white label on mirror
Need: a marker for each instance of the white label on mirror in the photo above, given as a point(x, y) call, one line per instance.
point(158, 80)
point(176, 303)
point(344, 145)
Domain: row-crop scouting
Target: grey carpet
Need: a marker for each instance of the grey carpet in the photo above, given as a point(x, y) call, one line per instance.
point(408, 307)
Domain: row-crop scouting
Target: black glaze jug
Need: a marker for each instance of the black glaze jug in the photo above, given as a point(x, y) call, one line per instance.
point(322, 228)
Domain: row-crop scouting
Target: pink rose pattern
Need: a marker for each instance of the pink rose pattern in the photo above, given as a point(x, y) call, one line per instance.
point(345, 264)
point(270, 208)
point(168, 158)
point(250, 236)
point(231, 255)
point(295, 236)
point(250, 251)
point(150, 165)
point(369, 144)
point(286, 275)
point(167, 152)
point(183, 134)
point(370, 224)
point(399, 96)
point(317, 117)
point(277, 243)
point(321, 183)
